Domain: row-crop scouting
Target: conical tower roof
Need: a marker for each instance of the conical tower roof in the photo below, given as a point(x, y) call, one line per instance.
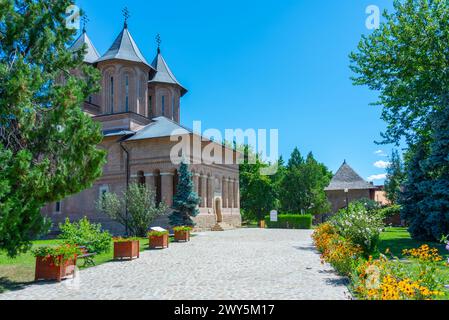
point(347, 178)
point(124, 48)
point(92, 54)
point(163, 73)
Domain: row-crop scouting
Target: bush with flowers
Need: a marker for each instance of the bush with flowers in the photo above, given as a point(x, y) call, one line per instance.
point(392, 279)
point(360, 226)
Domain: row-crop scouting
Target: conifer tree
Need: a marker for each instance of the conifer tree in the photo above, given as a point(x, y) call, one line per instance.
point(48, 146)
point(186, 201)
point(395, 177)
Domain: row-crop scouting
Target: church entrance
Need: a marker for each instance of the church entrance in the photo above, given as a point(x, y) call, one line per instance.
point(217, 209)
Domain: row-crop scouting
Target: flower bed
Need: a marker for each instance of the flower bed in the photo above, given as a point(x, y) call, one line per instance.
point(126, 248)
point(383, 278)
point(55, 263)
point(158, 239)
point(182, 234)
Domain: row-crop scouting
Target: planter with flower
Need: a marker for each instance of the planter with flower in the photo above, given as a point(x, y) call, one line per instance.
point(158, 239)
point(55, 263)
point(126, 248)
point(182, 234)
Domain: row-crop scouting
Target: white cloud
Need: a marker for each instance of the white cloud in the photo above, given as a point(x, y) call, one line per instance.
point(382, 164)
point(377, 177)
point(380, 153)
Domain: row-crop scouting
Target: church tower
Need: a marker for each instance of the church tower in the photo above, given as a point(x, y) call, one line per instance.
point(125, 73)
point(164, 90)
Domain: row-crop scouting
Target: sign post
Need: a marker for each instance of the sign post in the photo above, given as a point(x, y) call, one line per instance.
point(274, 216)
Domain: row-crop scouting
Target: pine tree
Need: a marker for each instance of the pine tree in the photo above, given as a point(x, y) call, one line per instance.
point(48, 146)
point(415, 192)
point(436, 204)
point(186, 201)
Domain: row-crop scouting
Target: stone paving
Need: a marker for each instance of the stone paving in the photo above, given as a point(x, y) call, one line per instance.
point(251, 264)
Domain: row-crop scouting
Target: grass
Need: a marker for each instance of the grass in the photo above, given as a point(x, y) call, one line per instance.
point(19, 272)
point(398, 239)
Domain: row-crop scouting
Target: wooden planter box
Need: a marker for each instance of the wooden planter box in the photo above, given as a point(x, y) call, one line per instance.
point(182, 236)
point(126, 250)
point(160, 242)
point(48, 269)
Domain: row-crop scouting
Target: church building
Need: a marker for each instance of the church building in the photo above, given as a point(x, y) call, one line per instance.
point(139, 108)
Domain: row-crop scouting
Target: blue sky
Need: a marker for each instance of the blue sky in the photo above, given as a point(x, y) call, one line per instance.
point(262, 64)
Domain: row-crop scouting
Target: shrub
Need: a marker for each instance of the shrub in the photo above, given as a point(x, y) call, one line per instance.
point(157, 233)
point(66, 252)
point(359, 226)
point(290, 221)
point(336, 250)
point(182, 229)
point(390, 211)
point(86, 234)
point(126, 239)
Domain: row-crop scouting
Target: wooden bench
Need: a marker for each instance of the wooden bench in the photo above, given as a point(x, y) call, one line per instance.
point(87, 256)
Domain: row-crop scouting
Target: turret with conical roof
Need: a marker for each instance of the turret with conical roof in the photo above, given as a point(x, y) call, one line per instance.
point(125, 74)
point(165, 91)
point(91, 54)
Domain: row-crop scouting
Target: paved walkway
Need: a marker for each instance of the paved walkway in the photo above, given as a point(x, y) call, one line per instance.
point(235, 265)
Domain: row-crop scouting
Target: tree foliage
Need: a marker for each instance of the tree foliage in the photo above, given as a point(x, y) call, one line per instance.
point(395, 177)
point(47, 144)
point(406, 60)
point(186, 200)
point(136, 209)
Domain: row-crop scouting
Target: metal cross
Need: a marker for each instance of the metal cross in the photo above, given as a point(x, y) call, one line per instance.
point(158, 41)
point(85, 20)
point(126, 14)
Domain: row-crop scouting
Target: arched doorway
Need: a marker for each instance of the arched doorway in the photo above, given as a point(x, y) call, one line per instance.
point(217, 209)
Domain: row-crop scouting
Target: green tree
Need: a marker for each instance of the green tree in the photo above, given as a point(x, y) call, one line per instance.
point(406, 60)
point(48, 146)
point(414, 192)
point(257, 191)
point(303, 185)
point(136, 209)
point(436, 204)
point(395, 177)
point(186, 200)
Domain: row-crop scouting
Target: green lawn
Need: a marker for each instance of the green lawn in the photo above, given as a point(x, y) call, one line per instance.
point(398, 239)
point(19, 272)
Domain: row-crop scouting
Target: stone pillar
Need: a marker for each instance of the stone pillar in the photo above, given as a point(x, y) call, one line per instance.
point(237, 194)
point(210, 187)
point(224, 193)
point(196, 178)
point(167, 188)
point(231, 193)
point(204, 191)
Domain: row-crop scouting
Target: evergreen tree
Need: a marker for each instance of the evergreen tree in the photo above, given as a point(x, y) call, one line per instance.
point(186, 201)
point(395, 177)
point(436, 204)
point(414, 193)
point(48, 146)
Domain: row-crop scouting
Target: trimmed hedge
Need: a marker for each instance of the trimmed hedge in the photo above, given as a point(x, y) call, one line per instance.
point(290, 221)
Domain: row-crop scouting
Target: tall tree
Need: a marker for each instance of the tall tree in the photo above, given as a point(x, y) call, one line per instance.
point(406, 60)
point(395, 177)
point(303, 185)
point(414, 193)
point(186, 200)
point(257, 191)
point(47, 144)
point(436, 204)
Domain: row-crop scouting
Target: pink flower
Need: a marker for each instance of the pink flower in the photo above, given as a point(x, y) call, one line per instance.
point(447, 247)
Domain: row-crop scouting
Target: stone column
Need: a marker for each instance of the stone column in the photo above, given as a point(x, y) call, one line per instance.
point(237, 194)
point(210, 187)
point(231, 193)
point(224, 193)
point(167, 188)
point(204, 191)
point(196, 179)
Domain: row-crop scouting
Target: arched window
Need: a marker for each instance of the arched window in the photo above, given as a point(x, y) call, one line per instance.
point(200, 190)
point(126, 93)
point(111, 95)
point(163, 105)
point(173, 108)
point(141, 178)
point(150, 107)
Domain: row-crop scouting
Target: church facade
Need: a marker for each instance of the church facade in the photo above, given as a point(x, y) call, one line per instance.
point(139, 109)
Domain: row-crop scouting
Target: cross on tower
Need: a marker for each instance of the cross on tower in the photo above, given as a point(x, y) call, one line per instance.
point(126, 14)
point(85, 21)
point(158, 41)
